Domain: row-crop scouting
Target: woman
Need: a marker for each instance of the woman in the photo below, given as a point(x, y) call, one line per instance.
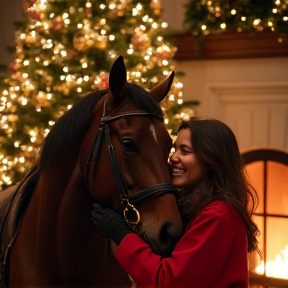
point(216, 202)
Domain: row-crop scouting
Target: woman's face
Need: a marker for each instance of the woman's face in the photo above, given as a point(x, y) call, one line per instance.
point(187, 168)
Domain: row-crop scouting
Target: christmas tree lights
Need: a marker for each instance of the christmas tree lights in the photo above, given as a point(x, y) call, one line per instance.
point(63, 52)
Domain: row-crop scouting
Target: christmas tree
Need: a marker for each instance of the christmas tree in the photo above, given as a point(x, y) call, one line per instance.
point(63, 51)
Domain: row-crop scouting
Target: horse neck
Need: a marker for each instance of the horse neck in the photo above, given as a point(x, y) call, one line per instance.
point(61, 181)
point(58, 236)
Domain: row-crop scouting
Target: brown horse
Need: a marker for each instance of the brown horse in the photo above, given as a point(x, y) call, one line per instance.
point(57, 244)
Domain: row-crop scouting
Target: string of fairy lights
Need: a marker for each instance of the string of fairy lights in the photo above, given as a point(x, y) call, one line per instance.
point(205, 16)
point(59, 57)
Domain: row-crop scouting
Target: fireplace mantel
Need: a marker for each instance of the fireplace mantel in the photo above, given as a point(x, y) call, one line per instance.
point(230, 44)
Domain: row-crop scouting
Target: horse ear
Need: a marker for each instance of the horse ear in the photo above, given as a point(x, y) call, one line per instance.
point(160, 91)
point(118, 78)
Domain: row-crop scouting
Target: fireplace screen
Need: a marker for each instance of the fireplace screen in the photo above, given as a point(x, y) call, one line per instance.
point(268, 173)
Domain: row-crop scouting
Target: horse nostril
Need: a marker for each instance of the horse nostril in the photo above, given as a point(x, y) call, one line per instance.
point(168, 239)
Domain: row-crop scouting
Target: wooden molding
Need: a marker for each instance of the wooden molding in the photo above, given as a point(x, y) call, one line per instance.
point(231, 44)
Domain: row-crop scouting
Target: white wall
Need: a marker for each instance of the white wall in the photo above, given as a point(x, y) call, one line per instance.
point(249, 95)
point(201, 74)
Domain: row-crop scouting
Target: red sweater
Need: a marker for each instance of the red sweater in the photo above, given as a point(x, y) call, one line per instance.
point(211, 253)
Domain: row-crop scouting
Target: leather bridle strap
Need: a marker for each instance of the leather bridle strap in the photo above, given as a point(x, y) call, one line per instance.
point(154, 190)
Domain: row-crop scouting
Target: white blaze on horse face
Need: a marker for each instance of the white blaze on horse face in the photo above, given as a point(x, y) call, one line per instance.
point(152, 129)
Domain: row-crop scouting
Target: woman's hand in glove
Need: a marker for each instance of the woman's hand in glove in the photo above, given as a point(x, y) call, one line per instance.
point(110, 223)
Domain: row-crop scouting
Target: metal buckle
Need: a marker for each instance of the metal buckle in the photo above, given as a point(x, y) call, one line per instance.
point(131, 214)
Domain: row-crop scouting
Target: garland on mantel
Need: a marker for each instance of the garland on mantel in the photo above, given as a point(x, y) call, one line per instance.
point(208, 16)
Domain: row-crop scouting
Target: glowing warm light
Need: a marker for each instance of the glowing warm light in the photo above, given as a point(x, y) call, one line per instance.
point(277, 268)
point(145, 18)
point(256, 21)
point(155, 25)
point(135, 12)
point(139, 7)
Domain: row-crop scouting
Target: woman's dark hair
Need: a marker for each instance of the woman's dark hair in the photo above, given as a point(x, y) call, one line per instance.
point(215, 144)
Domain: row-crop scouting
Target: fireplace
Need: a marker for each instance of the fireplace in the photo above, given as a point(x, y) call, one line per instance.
point(268, 173)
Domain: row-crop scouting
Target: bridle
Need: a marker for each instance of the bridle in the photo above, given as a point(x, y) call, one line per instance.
point(131, 214)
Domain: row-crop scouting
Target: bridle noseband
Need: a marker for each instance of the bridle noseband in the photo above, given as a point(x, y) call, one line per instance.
point(131, 214)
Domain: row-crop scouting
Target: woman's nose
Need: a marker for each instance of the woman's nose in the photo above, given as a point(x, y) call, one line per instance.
point(173, 157)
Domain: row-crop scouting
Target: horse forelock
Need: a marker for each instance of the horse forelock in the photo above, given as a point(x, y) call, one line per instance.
point(143, 100)
point(66, 131)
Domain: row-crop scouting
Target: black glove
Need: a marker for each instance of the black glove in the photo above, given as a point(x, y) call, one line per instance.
point(110, 223)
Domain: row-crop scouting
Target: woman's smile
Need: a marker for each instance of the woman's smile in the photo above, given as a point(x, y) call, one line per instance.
point(187, 168)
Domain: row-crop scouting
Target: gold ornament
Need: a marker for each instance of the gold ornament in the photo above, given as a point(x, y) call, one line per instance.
point(118, 11)
point(101, 42)
point(56, 24)
point(40, 100)
point(155, 5)
point(163, 52)
point(26, 4)
point(87, 38)
point(140, 40)
point(79, 41)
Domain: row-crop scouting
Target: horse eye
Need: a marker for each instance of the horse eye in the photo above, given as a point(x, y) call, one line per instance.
point(128, 145)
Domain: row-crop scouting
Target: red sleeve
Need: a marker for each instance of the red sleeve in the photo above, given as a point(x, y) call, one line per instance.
point(198, 257)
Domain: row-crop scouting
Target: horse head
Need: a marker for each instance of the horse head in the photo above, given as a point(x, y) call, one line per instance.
point(140, 144)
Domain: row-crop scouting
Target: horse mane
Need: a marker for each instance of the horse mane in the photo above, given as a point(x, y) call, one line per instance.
point(67, 129)
point(76, 121)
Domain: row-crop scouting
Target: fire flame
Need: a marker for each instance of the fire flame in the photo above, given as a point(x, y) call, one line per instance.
point(277, 268)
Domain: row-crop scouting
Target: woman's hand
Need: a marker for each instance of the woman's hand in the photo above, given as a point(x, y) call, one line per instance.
point(110, 223)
